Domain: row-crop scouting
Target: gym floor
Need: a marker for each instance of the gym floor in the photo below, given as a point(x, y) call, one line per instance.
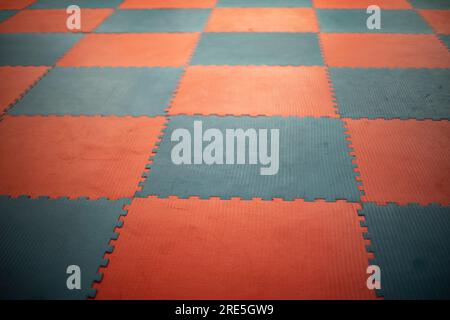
point(86, 124)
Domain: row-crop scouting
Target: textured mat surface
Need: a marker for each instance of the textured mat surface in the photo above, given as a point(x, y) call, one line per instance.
point(54, 4)
point(52, 21)
point(392, 93)
point(101, 91)
point(446, 40)
point(92, 115)
point(34, 50)
point(264, 3)
point(431, 4)
point(5, 14)
point(131, 50)
point(75, 156)
point(403, 161)
point(15, 81)
point(40, 238)
point(392, 21)
point(250, 244)
point(164, 4)
point(310, 150)
point(439, 20)
point(361, 4)
point(263, 20)
point(384, 51)
point(286, 91)
point(412, 247)
point(15, 5)
point(184, 20)
point(258, 49)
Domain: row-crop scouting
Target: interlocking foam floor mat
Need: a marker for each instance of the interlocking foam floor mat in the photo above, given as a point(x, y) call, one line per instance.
point(250, 243)
point(52, 21)
point(131, 50)
point(392, 93)
point(101, 91)
point(20, 49)
point(184, 20)
point(54, 4)
point(337, 156)
point(305, 172)
point(40, 238)
point(412, 246)
point(256, 90)
point(245, 48)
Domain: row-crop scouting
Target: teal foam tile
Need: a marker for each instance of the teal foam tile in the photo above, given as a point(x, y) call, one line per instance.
point(430, 4)
point(35, 49)
point(101, 91)
point(314, 162)
point(258, 49)
point(158, 20)
point(40, 238)
point(392, 93)
point(411, 245)
point(355, 21)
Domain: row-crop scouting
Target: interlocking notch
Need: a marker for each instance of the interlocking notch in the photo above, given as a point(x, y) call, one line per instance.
point(254, 91)
point(323, 149)
point(187, 235)
point(426, 48)
point(150, 159)
point(392, 155)
point(368, 245)
point(89, 156)
point(353, 155)
point(16, 82)
point(42, 237)
point(109, 250)
point(410, 244)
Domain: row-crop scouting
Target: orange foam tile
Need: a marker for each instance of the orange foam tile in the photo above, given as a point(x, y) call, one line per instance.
point(14, 81)
point(384, 50)
point(361, 4)
point(75, 156)
point(52, 21)
point(403, 161)
point(265, 90)
point(15, 4)
point(439, 20)
point(263, 20)
point(232, 249)
point(163, 4)
point(141, 50)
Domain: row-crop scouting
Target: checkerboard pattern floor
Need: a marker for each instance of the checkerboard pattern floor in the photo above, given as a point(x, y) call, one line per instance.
point(86, 176)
